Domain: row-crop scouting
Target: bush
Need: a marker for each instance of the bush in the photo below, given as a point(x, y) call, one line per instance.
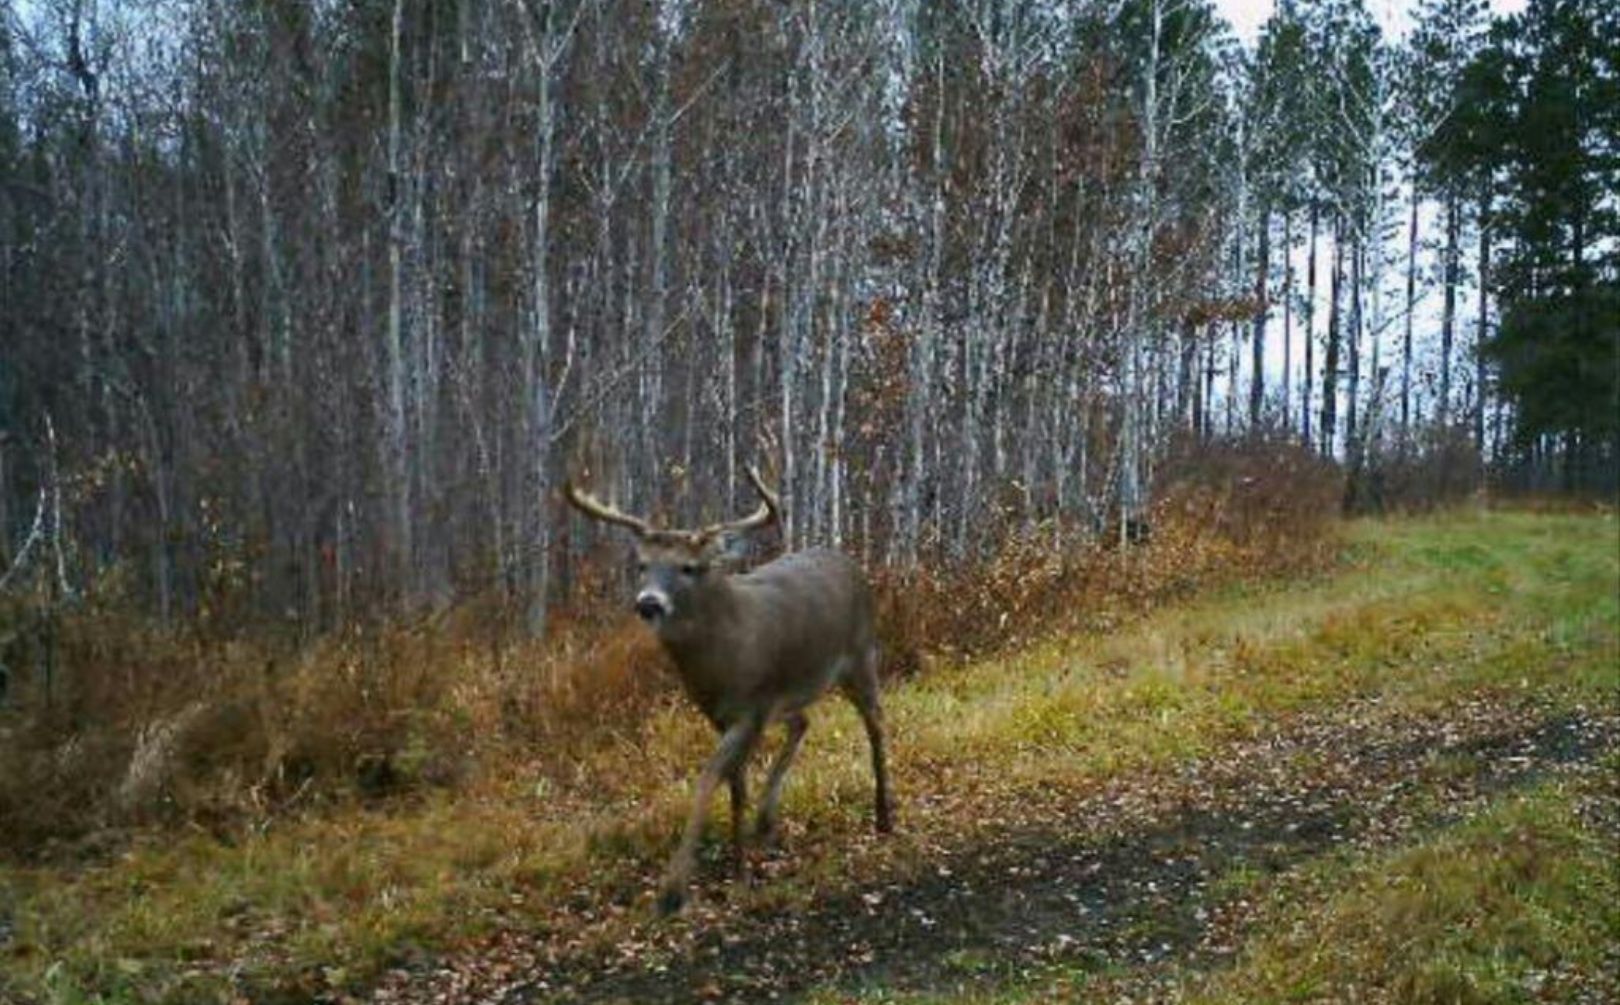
point(1438, 467)
point(145, 727)
point(1253, 507)
point(149, 727)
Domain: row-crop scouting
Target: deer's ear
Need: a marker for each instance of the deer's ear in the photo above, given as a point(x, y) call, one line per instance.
point(729, 547)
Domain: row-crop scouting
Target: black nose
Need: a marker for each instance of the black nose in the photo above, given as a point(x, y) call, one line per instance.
point(649, 608)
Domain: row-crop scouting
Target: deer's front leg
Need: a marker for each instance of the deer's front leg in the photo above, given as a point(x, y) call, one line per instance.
point(735, 745)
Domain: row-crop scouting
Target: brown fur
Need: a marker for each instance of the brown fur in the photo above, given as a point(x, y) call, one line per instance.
point(754, 649)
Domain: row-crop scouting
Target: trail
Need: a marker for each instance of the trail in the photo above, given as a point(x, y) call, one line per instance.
point(1126, 877)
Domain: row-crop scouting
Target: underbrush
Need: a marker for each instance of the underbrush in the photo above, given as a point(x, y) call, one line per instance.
point(1437, 467)
point(1235, 511)
point(145, 729)
point(319, 903)
point(134, 728)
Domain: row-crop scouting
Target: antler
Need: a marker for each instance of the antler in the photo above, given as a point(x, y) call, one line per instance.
point(593, 507)
point(769, 512)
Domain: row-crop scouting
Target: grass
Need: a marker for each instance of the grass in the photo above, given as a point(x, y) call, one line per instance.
point(1421, 611)
point(1517, 904)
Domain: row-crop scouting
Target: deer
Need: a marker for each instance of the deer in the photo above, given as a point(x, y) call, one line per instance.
point(752, 650)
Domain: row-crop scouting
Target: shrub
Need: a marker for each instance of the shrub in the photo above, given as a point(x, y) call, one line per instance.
point(1438, 467)
point(142, 726)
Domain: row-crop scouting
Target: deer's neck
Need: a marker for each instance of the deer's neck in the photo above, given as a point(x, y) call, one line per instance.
point(703, 641)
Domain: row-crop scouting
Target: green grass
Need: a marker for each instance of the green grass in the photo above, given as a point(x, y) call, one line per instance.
point(1513, 905)
point(1521, 903)
point(1518, 904)
point(1421, 611)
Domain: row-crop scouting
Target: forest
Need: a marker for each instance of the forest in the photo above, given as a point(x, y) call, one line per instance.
point(309, 308)
point(1056, 316)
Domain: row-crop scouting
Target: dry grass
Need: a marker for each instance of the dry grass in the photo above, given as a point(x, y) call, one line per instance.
point(536, 787)
point(323, 898)
point(143, 728)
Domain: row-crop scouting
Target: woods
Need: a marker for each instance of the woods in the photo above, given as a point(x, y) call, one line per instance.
point(308, 308)
point(1074, 326)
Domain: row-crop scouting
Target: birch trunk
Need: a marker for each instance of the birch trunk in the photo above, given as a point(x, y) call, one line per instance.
point(1309, 376)
point(1257, 379)
point(1353, 342)
point(398, 424)
point(1288, 318)
point(1411, 309)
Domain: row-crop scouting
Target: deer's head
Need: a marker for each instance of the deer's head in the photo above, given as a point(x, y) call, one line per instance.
point(676, 566)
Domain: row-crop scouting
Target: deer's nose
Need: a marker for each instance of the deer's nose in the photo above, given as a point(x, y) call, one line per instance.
point(652, 605)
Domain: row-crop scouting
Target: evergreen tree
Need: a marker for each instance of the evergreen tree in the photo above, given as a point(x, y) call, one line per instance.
point(1553, 135)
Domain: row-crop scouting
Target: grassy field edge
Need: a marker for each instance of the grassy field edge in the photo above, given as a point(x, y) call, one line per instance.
point(1506, 603)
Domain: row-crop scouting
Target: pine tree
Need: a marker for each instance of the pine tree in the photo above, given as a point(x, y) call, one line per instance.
point(1553, 137)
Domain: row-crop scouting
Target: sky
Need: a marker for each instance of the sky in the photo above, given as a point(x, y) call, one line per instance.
point(1395, 16)
point(1247, 16)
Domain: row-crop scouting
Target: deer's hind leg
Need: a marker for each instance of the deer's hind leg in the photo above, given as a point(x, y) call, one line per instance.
point(765, 824)
point(738, 780)
point(862, 689)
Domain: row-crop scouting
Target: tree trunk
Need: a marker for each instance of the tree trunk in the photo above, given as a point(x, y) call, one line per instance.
point(1257, 379)
point(1330, 364)
point(399, 491)
point(654, 410)
point(1310, 332)
point(1187, 380)
point(1482, 331)
point(1288, 317)
point(537, 563)
point(1206, 410)
point(1353, 343)
point(1411, 308)
point(1448, 311)
point(1131, 493)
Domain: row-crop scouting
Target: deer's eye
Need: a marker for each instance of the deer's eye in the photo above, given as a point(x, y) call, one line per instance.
point(641, 566)
point(691, 570)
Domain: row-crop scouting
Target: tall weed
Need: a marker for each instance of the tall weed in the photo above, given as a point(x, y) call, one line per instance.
point(144, 727)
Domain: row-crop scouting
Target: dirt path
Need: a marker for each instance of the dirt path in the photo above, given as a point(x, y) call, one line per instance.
point(1135, 874)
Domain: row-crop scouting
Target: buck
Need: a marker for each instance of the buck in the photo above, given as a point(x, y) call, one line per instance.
point(752, 650)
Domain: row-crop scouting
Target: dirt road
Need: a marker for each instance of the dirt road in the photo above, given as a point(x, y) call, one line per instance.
point(1147, 871)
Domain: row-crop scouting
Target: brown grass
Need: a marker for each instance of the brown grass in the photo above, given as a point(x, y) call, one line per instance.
point(317, 903)
point(145, 728)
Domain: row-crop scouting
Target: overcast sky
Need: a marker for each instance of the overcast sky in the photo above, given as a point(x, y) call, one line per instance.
point(1248, 15)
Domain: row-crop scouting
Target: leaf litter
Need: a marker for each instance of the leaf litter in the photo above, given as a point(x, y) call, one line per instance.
point(1144, 870)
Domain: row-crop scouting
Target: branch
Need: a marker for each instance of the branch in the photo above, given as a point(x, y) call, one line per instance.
point(612, 381)
point(28, 542)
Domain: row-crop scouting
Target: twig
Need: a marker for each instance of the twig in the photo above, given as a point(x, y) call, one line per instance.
point(28, 543)
point(612, 380)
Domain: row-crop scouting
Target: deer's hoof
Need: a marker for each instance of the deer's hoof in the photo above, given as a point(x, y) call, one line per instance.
point(670, 901)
